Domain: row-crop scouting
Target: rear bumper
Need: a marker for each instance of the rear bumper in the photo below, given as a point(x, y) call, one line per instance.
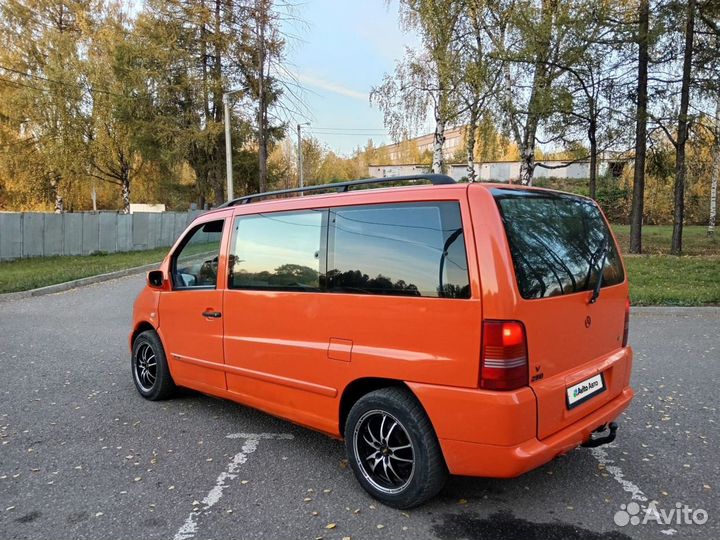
point(466, 456)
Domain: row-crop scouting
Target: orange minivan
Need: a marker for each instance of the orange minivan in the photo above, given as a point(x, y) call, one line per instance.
point(452, 328)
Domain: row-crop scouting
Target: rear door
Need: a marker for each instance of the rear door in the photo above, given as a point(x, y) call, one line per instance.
point(558, 243)
point(276, 339)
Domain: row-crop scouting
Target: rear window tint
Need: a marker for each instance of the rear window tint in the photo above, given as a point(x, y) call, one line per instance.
point(556, 242)
point(406, 249)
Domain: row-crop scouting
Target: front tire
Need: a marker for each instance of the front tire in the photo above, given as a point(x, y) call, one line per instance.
point(150, 371)
point(393, 450)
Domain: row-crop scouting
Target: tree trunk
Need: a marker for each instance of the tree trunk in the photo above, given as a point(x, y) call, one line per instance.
point(262, 105)
point(59, 204)
point(471, 129)
point(592, 138)
point(438, 162)
point(536, 109)
point(682, 133)
point(527, 165)
point(638, 199)
point(219, 191)
point(715, 172)
point(527, 144)
point(125, 187)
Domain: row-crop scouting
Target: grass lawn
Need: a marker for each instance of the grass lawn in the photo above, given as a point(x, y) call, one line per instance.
point(673, 281)
point(24, 274)
point(657, 278)
point(656, 240)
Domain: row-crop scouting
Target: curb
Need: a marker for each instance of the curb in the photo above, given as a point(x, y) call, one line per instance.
point(675, 311)
point(67, 285)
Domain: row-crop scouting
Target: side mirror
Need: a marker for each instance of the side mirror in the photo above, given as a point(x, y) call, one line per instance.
point(156, 279)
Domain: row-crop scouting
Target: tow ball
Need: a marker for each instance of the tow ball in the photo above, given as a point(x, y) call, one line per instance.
point(605, 434)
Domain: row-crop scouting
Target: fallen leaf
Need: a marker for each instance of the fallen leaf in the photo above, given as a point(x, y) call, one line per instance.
point(330, 526)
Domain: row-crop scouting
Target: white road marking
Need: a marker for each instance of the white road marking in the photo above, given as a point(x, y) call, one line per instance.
point(190, 528)
point(636, 494)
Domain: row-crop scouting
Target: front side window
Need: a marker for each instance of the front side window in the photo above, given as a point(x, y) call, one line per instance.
point(406, 249)
point(278, 250)
point(195, 264)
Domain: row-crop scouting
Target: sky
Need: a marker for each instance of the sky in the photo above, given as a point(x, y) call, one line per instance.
point(339, 50)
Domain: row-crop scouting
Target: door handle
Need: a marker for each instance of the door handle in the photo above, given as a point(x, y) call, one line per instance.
point(212, 314)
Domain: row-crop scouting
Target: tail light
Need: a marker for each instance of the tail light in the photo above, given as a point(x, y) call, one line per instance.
point(626, 328)
point(504, 362)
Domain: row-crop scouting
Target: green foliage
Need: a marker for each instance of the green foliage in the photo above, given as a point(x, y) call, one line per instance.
point(93, 99)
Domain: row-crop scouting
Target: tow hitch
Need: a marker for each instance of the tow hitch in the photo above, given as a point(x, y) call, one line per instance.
point(598, 439)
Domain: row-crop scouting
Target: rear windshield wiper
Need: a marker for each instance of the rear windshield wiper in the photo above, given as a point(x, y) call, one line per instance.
point(601, 267)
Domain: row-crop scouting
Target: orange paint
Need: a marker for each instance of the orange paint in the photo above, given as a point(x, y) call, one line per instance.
point(295, 353)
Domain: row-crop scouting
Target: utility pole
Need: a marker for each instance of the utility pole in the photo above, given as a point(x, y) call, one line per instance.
point(300, 159)
point(228, 144)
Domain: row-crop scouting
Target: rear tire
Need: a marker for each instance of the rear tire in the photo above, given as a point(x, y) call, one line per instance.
point(150, 371)
point(393, 450)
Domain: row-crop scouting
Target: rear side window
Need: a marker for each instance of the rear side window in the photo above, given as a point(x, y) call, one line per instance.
point(278, 250)
point(556, 242)
point(408, 249)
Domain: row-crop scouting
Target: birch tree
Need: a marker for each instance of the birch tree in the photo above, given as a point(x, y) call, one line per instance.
point(424, 80)
point(480, 74)
point(113, 152)
point(707, 68)
point(529, 37)
point(715, 171)
point(593, 87)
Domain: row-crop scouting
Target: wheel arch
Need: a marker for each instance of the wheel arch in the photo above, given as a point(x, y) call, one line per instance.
point(141, 327)
point(360, 387)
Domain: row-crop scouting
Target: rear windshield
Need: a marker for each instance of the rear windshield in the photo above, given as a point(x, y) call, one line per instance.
point(556, 242)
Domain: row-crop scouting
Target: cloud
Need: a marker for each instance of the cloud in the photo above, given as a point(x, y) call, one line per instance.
point(330, 86)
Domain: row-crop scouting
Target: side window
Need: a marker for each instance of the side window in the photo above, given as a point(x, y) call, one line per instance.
point(409, 249)
point(195, 264)
point(278, 250)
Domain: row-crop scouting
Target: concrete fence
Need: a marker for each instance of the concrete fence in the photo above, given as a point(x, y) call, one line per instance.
point(36, 234)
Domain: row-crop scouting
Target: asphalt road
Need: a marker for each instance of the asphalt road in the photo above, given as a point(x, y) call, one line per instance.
point(82, 455)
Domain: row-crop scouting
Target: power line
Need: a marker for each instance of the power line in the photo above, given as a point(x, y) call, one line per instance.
point(354, 134)
point(63, 83)
point(348, 129)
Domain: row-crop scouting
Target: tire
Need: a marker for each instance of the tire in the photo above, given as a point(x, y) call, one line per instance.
point(153, 381)
point(392, 448)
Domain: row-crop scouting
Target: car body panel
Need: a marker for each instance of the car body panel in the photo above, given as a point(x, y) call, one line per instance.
point(293, 354)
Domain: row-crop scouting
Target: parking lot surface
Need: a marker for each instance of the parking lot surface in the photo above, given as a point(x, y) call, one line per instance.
point(82, 455)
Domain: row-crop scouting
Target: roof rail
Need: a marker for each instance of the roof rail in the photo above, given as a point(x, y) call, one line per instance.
point(435, 179)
